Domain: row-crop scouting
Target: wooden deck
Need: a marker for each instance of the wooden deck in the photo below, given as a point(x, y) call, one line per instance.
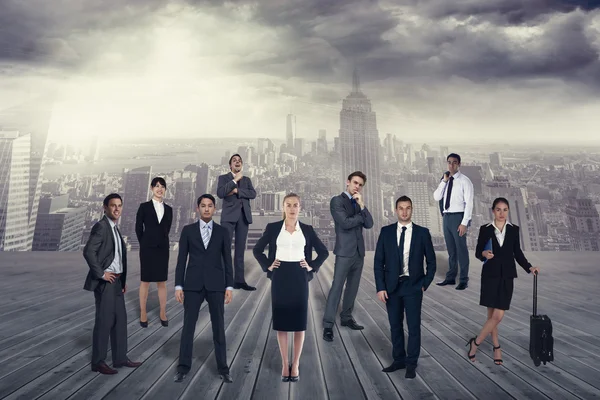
point(46, 322)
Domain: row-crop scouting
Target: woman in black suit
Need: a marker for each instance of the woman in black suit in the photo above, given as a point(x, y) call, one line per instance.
point(498, 247)
point(290, 267)
point(152, 226)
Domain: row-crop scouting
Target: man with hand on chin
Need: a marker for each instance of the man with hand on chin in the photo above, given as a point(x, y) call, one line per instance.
point(207, 274)
point(236, 191)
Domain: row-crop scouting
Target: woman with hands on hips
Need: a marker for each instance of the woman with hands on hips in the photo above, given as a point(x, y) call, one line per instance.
point(498, 246)
point(290, 267)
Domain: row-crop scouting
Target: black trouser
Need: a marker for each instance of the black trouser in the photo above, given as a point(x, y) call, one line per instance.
point(409, 301)
point(191, 307)
point(238, 229)
point(111, 320)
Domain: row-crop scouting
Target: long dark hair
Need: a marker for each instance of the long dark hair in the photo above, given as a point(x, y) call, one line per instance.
point(500, 200)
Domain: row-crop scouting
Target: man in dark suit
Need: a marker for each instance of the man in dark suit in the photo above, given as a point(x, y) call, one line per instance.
point(106, 257)
point(350, 216)
point(236, 191)
point(207, 274)
point(400, 282)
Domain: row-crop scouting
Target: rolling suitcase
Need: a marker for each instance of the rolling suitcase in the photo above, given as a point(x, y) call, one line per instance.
point(541, 342)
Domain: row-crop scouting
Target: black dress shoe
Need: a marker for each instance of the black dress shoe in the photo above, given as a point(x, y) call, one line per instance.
point(165, 322)
point(144, 324)
point(394, 367)
point(128, 363)
point(244, 286)
point(103, 368)
point(461, 286)
point(328, 334)
point(180, 377)
point(226, 378)
point(411, 372)
point(446, 282)
point(353, 325)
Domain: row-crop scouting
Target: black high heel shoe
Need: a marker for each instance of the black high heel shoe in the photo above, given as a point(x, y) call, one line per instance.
point(286, 378)
point(474, 341)
point(294, 378)
point(144, 324)
point(165, 322)
point(497, 361)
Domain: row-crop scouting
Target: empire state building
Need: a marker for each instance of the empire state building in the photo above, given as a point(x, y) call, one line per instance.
point(359, 142)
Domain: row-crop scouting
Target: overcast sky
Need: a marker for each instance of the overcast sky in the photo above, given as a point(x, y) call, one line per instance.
point(435, 70)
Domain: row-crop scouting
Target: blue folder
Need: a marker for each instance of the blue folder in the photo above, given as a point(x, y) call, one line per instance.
point(488, 246)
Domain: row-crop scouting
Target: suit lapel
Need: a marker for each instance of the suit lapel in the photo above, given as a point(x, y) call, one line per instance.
point(413, 237)
point(198, 235)
point(153, 211)
point(111, 235)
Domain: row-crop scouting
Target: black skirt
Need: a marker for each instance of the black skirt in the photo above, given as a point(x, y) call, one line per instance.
point(496, 293)
point(154, 264)
point(289, 295)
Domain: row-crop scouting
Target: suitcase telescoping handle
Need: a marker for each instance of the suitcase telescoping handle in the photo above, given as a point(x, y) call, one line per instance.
point(534, 294)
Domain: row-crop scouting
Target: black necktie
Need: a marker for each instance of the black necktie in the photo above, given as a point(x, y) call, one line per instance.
point(401, 250)
point(449, 192)
point(354, 203)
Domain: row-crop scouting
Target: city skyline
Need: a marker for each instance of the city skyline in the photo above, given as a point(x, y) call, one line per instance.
point(437, 71)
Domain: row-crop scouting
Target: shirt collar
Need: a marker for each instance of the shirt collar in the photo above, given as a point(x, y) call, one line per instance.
point(348, 194)
point(296, 228)
point(408, 226)
point(202, 224)
point(496, 228)
point(157, 202)
point(457, 175)
point(110, 221)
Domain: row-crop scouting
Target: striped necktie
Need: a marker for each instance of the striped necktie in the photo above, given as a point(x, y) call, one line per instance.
point(206, 235)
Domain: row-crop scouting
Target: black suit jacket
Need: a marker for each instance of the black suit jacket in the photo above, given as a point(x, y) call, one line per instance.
point(503, 264)
point(349, 223)
point(233, 206)
point(269, 237)
point(149, 232)
point(208, 268)
point(387, 259)
point(99, 252)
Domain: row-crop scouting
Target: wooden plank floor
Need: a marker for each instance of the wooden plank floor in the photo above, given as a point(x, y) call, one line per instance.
point(46, 322)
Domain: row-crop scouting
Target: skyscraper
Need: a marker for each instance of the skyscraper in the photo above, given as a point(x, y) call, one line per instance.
point(322, 142)
point(584, 222)
point(136, 190)
point(360, 151)
point(290, 132)
point(14, 191)
point(59, 227)
point(417, 189)
point(31, 118)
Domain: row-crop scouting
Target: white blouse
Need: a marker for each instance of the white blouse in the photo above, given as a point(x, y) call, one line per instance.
point(500, 234)
point(290, 246)
point(159, 207)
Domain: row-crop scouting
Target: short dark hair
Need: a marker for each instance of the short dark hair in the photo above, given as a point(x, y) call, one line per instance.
point(359, 174)
point(500, 200)
point(236, 154)
point(207, 196)
point(160, 180)
point(403, 198)
point(453, 155)
point(111, 196)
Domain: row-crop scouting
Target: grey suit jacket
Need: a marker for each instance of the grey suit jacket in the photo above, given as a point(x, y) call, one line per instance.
point(236, 204)
point(349, 224)
point(99, 252)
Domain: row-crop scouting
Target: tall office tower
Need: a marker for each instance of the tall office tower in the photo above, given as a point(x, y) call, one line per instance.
point(390, 152)
point(417, 189)
point(185, 200)
point(431, 165)
point(31, 118)
point(290, 131)
point(14, 191)
point(584, 222)
point(410, 155)
point(94, 154)
point(495, 160)
point(359, 142)
point(322, 142)
point(59, 227)
point(299, 147)
point(445, 151)
point(136, 190)
point(202, 180)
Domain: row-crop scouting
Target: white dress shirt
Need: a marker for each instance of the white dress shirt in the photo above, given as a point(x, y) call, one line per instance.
point(290, 246)
point(407, 240)
point(159, 207)
point(461, 199)
point(205, 225)
point(500, 234)
point(117, 265)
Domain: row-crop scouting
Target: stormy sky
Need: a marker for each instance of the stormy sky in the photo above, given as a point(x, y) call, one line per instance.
point(497, 71)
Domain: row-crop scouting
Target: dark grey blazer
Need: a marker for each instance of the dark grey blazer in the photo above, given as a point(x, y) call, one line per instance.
point(234, 205)
point(99, 252)
point(349, 224)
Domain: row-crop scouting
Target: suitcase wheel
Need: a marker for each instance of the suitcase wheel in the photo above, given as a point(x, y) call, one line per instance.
point(537, 363)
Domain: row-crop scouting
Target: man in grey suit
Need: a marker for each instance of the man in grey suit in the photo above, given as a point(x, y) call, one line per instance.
point(106, 257)
point(236, 190)
point(350, 216)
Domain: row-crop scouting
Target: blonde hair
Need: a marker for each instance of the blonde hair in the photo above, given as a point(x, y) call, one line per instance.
point(287, 196)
